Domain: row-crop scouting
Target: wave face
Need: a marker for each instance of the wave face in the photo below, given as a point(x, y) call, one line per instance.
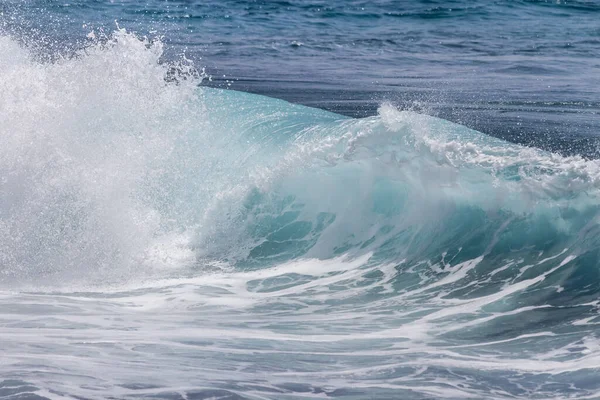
point(164, 240)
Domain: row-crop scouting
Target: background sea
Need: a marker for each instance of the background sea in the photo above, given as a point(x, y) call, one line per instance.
point(428, 227)
point(527, 71)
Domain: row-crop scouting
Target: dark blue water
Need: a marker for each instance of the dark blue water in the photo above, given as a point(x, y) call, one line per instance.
point(165, 235)
point(527, 71)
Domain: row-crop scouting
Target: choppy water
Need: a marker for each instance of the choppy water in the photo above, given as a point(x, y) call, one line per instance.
point(163, 238)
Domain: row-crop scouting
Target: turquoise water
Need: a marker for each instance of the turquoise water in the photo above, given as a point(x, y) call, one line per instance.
point(164, 237)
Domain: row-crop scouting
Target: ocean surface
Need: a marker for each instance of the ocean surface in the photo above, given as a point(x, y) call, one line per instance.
point(299, 199)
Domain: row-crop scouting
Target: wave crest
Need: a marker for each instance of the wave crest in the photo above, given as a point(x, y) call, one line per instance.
point(112, 169)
